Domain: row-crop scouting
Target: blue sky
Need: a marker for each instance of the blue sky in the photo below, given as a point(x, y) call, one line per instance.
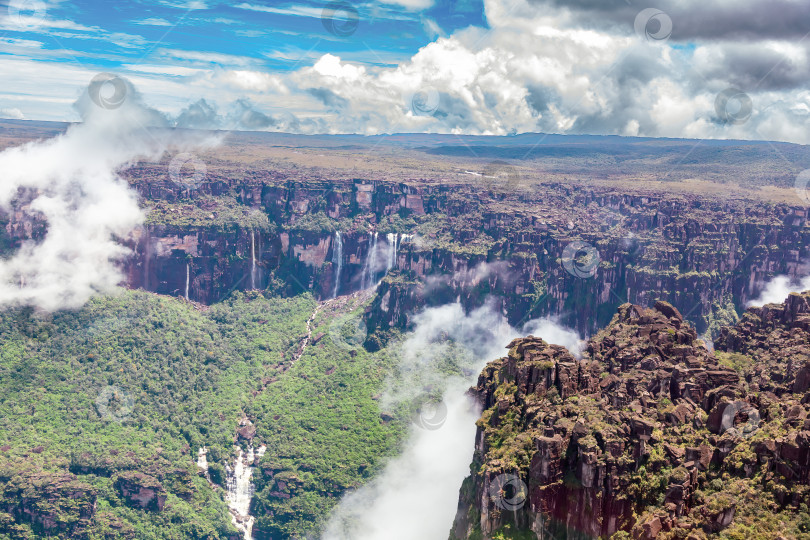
point(278, 35)
point(492, 67)
point(272, 37)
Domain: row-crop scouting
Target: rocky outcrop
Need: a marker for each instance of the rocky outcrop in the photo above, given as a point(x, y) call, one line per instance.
point(52, 503)
point(55, 503)
point(774, 338)
point(648, 433)
point(141, 491)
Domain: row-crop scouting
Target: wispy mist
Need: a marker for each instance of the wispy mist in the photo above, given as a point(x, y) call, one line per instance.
point(71, 182)
point(416, 495)
point(778, 289)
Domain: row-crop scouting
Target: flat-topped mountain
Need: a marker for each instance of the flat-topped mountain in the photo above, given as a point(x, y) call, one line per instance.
point(247, 266)
point(667, 220)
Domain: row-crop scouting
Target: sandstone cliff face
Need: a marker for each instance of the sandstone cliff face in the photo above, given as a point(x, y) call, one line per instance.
point(691, 251)
point(648, 434)
point(648, 251)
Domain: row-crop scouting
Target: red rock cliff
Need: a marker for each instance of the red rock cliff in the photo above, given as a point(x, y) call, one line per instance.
point(649, 434)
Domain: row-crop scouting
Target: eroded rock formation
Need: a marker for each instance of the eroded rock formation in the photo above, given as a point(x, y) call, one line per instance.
point(698, 253)
point(648, 434)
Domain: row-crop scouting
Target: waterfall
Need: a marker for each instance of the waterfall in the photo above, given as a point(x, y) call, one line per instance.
point(147, 254)
point(188, 275)
point(392, 250)
point(252, 260)
point(369, 267)
point(202, 460)
point(369, 274)
point(337, 261)
point(240, 488)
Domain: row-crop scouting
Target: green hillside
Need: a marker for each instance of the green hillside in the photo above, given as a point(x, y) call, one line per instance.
point(119, 396)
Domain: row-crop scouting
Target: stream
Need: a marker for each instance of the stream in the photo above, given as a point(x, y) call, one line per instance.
point(240, 488)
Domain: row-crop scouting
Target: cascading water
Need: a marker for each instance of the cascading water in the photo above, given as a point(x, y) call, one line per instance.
point(252, 261)
point(188, 279)
point(337, 261)
point(369, 267)
point(202, 460)
point(392, 250)
point(240, 488)
point(370, 270)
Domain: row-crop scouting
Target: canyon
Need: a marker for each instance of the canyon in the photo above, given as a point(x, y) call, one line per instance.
point(699, 254)
point(630, 437)
point(302, 225)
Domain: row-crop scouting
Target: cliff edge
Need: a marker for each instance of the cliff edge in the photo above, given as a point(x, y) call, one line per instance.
point(647, 435)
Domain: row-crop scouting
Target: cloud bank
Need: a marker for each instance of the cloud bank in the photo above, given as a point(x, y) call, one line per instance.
point(71, 182)
point(555, 66)
point(581, 67)
point(778, 289)
point(443, 355)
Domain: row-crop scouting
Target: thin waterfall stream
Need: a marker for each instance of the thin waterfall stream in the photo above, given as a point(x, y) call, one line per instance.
point(337, 260)
point(371, 261)
point(188, 279)
point(392, 250)
point(252, 260)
